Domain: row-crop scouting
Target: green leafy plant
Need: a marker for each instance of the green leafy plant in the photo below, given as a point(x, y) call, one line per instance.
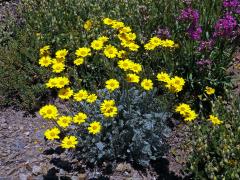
point(216, 149)
point(138, 134)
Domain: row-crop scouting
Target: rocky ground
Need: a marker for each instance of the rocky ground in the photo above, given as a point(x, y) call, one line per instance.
point(26, 155)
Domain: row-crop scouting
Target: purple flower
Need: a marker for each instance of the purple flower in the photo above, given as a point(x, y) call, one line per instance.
point(163, 33)
point(195, 32)
point(189, 14)
point(204, 64)
point(225, 26)
point(206, 45)
point(230, 3)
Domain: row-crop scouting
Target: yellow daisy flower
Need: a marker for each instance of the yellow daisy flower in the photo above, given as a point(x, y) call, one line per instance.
point(112, 84)
point(110, 51)
point(64, 121)
point(81, 95)
point(65, 93)
point(83, 52)
point(95, 127)
point(88, 25)
point(209, 90)
point(58, 67)
point(49, 112)
point(80, 118)
point(91, 98)
point(78, 61)
point(69, 142)
point(45, 61)
point(60, 54)
point(215, 120)
point(97, 45)
point(133, 78)
point(164, 77)
point(52, 134)
point(147, 84)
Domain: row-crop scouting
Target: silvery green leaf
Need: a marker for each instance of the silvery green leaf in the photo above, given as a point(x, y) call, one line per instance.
point(100, 146)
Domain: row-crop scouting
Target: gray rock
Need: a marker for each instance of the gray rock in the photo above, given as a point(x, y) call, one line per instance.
point(36, 170)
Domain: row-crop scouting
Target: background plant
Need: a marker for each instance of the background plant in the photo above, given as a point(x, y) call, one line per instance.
point(60, 24)
point(216, 148)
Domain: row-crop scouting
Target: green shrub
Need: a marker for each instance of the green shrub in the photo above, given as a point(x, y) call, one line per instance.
point(138, 134)
point(60, 24)
point(216, 149)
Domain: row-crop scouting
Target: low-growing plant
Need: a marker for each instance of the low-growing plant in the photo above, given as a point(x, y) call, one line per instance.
point(125, 121)
point(216, 147)
point(138, 134)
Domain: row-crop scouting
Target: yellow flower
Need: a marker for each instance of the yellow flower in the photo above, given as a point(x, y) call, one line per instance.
point(103, 39)
point(131, 36)
point(44, 51)
point(52, 134)
point(83, 52)
point(215, 120)
point(108, 21)
point(87, 25)
point(209, 90)
point(58, 67)
point(81, 95)
point(125, 29)
point(64, 121)
point(80, 118)
point(155, 41)
point(149, 46)
point(91, 98)
point(95, 127)
point(147, 84)
point(167, 43)
point(62, 81)
point(133, 46)
point(175, 84)
point(69, 142)
point(135, 67)
point(190, 115)
point(110, 51)
point(112, 84)
point(49, 112)
point(52, 82)
point(182, 108)
point(117, 24)
point(110, 112)
point(121, 54)
point(78, 61)
point(58, 60)
point(45, 61)
point(61, 54)
point(125, 64)
point(164, 77)
point(133, 78)
point(106, 104)
point(65, 93)
point(178, 80)
point(97, 44)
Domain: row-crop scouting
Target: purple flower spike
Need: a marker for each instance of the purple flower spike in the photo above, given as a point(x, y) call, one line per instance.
point(204, 64)
point(230, 3)
point(225, 26)
point(163, 33)
point(206, 45)
point(195, 32)
point(189, 14)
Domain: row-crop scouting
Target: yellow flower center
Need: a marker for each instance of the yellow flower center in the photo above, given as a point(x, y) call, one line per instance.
point(49, 111)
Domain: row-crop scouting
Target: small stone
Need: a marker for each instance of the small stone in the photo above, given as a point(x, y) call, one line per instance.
point(36, 170)
point(74, 178)
point(26, 133)
point(23, 176)
point(82, 177)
